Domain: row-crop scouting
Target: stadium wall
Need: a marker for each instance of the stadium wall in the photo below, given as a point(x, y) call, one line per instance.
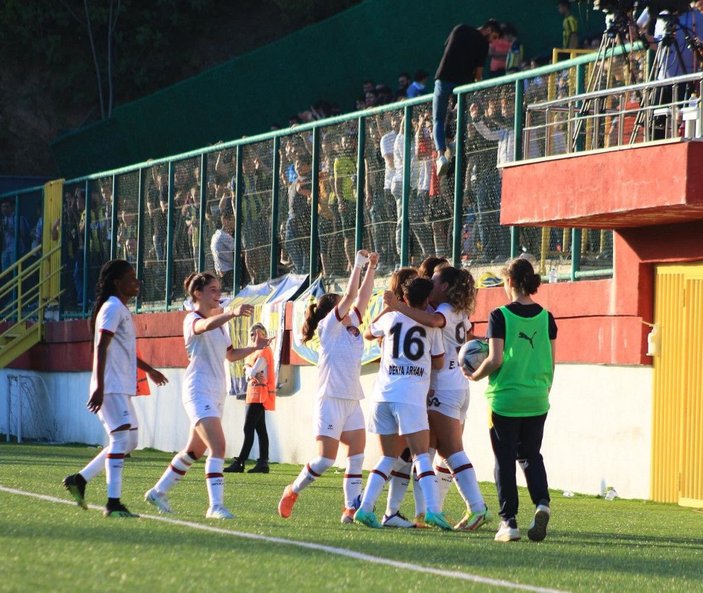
point(375, 39)
point(598, 432)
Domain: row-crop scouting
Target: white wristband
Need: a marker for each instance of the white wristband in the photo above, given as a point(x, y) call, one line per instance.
point(360, 260)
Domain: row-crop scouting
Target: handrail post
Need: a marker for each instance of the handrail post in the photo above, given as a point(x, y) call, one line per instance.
point(405, 200)
point(275, 189)
point(360, 183)
point(314, 201)
point(201, 212)
point(86, 247)
point(140, 234)
point(238, 195)
point(113, 218)
point(517, 156)
point(169, 235)
point(459, 165)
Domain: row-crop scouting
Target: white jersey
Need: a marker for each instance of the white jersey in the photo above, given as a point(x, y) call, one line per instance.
point(386, 147)
point(120, 375)
point(456, 327)
point(339, 366)
point(205, 375)
point(406, 359)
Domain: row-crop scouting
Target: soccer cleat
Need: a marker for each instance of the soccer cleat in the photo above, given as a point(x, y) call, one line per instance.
point(367, 518)
point(420, 521)
point(218, 512)
point(347, 516)
point(115, 511)
point(538, 528)
point(285, 505)
point(159, 500)
point(442, 166)
point(471, 522)
point(75, 484)
point(438, 520)
point(397, 520)
point(507, 531)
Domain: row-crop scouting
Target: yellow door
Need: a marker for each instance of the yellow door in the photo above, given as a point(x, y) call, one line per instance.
point(677, 434)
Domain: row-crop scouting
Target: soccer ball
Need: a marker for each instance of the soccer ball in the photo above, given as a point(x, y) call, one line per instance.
point(472, 354)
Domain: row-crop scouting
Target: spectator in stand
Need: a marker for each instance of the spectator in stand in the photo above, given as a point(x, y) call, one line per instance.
point(570, 26)
point(222, 248)
point(418, 85)
point(465, 52)
point(515, 57)
point(498, 51)
point(403, 84)
point(345, 188)
point(297, 232)
point(14, 234)
point(419, 207)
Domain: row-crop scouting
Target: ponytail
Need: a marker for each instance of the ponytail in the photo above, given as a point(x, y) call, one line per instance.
point(522, 276)
point(316, 312)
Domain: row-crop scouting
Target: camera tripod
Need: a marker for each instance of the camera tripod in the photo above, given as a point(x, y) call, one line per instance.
point(621, 32)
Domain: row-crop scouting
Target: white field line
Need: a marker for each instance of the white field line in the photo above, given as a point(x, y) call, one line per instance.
point(453, 574)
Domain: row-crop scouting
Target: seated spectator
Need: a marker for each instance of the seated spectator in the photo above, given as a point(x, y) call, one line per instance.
point(403, 84)
point(222, 248)
point(515, 57)
point(418, 85)
point(498, 52)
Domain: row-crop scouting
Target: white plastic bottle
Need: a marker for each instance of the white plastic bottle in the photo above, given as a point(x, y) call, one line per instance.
point(553, 275)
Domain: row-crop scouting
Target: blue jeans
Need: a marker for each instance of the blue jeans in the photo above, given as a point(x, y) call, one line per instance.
point(518, 439)
point(440, 102)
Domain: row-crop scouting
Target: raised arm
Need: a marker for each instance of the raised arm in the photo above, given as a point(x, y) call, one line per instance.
point(349, 296)
point(362, 301)
point(235, 354)
point(204, 325)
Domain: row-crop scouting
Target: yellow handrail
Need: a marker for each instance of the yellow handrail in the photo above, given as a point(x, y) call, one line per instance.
point(20, 261)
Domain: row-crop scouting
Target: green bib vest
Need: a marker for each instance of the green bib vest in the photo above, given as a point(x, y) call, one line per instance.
point(520, 387)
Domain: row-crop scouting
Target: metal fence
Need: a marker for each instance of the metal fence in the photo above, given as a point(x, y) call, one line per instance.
point(306, 198)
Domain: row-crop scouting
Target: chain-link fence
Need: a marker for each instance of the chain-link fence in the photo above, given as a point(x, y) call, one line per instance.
point(305, 199)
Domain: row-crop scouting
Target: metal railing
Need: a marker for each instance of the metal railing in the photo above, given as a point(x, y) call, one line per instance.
point(164, 214)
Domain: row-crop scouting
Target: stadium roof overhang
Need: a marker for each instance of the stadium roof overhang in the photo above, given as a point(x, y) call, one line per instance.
point(632, 186)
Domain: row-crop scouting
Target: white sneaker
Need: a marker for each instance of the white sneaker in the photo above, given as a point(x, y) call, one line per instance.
point(442, 166)
point(507, 533)
point(538, 528)
point(218, 512)
point(396, 520)
point(158, 500)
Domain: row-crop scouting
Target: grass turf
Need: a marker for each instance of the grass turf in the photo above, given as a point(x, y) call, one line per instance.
point(592, 545)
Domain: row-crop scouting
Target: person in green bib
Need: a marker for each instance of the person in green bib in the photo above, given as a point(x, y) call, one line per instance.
point(520, 368)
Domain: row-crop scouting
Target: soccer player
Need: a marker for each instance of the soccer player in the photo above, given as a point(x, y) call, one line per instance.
point(338, 415)
point(453, 296)
point(113, 382)
point(207, 343)
point(520, 367)
point(399, 401)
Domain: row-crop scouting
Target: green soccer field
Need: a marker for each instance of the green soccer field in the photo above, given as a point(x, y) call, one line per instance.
point(593, 545)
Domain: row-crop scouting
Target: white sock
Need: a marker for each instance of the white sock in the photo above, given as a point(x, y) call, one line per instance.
point(215, 480)
point(419, 497)
point(427, 481)
point(133, 439)
point(311, 472)
point(444, 479)
point(174, 473)
point(352, 480)
point(398, 485)
point(466, 482)
point(95, 465)
point(377, 479)
point(114, 462)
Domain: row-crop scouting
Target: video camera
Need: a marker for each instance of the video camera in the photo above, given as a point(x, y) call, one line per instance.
point(655, 6)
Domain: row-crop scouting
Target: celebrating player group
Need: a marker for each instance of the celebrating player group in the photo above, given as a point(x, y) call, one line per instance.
point(418, 404)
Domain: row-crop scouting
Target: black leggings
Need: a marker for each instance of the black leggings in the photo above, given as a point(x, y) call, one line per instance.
point(255, 421)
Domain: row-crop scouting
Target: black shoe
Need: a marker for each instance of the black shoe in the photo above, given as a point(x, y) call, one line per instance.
point(117, 511)
point(236, 467)
point(75, 484)
point(261, 467)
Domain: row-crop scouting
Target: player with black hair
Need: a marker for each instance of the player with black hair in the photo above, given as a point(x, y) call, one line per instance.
point(409, 352)
point(113, 382)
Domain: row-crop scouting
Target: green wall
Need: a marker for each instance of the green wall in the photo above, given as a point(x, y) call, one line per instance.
point(376, 39)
